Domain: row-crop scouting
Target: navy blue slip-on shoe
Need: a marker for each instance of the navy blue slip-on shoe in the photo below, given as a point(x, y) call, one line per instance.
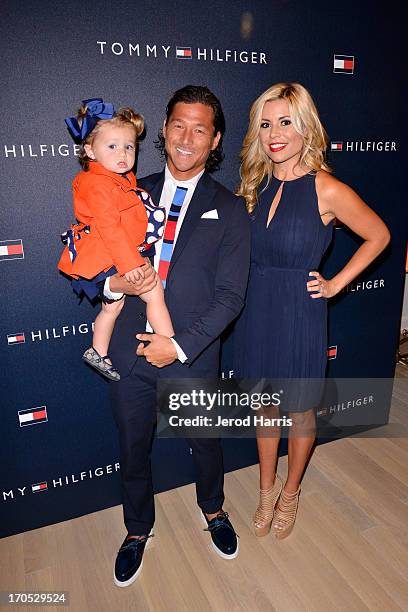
point(129, 560)
point(223, 537)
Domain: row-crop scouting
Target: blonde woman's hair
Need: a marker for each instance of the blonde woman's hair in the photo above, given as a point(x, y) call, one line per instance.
point(122, 117)
point(255, 164)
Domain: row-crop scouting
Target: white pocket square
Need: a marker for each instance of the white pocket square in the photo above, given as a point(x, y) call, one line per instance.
point(210, 214)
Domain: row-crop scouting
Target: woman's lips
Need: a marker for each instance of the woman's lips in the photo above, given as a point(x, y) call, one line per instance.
point(278, 146)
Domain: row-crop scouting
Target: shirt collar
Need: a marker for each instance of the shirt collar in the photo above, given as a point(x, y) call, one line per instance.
point(126, 181)
point(191, 183)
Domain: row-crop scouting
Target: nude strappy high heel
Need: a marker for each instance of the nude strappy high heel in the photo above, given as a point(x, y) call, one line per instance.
point(285, 515)
point(264, 513)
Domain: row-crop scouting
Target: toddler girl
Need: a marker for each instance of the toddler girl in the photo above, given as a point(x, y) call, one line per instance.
point(117, 221)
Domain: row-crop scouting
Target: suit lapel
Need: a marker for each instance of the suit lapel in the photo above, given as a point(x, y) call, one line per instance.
point(200, 202)
point(155, 187)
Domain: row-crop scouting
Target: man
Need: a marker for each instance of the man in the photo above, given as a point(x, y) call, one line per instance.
point(203, 261)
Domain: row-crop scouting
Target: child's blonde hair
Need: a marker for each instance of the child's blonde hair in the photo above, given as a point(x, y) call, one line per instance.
point(122, 117)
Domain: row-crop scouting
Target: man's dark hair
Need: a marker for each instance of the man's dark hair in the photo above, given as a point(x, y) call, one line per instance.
point(193, 94)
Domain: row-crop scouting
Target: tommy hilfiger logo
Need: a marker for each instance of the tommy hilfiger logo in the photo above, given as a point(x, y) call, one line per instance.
point(363, 145)
point(13, 339)
point(40, 150)
point(166, 52)
point(184, 53)
point(355, 286)
point(53, 333)
point(11, 249)
point(332, 352)
point(343, 64)
point(357, 402)
point(57, 482)
point(39, 487)
point(33, 416)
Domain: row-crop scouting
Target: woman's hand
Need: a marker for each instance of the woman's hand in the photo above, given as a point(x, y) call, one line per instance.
point(321, 286)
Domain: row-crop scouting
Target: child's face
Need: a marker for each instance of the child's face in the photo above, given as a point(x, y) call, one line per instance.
point(114, 147)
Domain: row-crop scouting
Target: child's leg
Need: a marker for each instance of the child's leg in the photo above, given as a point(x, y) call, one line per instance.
point(156, 311)
point(104, 324)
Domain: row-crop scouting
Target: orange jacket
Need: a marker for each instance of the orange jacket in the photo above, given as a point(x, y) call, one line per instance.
point(106, 201)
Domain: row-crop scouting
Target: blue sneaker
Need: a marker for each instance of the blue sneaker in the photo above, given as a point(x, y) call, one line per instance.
point(223, 537)
point(129, 560)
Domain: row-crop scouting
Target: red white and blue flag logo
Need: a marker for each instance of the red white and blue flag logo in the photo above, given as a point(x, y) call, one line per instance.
point(33, 416)
point(336, 146)
point(184, 53)
point(11, 249)
point(39, 487)
point(18, 338)
point(332, 352)
point(343, 64)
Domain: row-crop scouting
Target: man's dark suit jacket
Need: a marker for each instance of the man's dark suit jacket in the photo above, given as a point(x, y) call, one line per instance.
point(206, 282)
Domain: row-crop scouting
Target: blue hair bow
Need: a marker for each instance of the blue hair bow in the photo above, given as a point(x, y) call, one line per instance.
point(96, 109)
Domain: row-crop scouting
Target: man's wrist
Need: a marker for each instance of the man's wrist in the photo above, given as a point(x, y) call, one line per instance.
point(181, 356)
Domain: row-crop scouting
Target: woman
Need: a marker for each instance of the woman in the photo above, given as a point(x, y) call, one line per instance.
point(292, 199)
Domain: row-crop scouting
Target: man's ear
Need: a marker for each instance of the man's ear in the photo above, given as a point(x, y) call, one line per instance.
point(164, 128)
point(216, 141)
point(88, 151)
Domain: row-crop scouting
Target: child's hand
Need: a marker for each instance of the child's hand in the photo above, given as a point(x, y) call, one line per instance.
point(134, 275)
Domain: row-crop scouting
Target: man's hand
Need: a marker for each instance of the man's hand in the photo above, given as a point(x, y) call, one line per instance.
point(160, 352)
point(118, 284)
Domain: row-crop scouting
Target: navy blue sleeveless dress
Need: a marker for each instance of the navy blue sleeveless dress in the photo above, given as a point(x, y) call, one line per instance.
point(282, 332)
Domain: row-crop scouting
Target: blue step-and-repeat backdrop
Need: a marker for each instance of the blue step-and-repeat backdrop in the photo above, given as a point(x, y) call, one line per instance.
point(59, 453)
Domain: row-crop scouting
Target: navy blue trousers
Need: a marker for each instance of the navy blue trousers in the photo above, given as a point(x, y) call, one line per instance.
point(134, 410)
